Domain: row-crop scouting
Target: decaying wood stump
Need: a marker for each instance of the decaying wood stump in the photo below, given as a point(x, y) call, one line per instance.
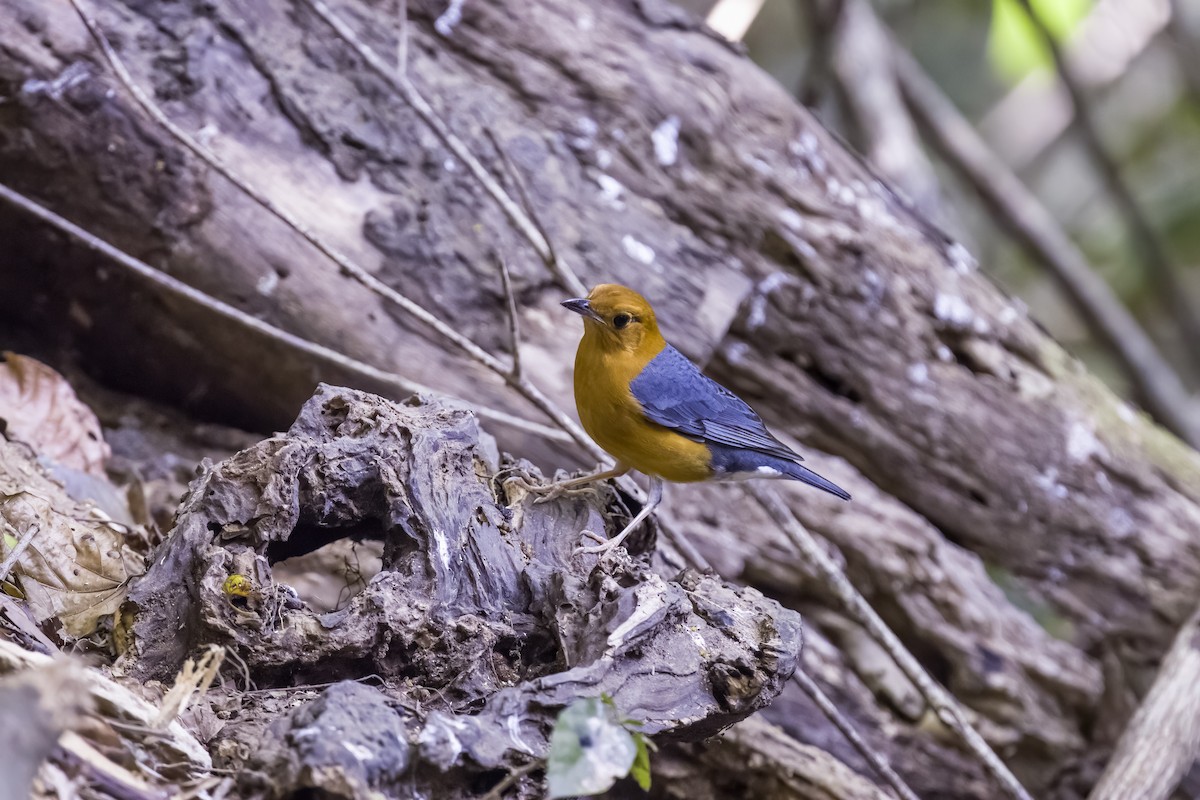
point(483, 618)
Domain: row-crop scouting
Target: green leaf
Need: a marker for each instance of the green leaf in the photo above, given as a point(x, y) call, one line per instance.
point(641, 764)
point(1015, 48)
point(589, 749)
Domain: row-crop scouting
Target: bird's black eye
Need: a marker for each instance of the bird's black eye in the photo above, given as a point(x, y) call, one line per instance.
point(621, 320)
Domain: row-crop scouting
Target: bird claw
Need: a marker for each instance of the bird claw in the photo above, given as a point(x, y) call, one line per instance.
point(595, 537)
point(604, 547)
point(553, 491)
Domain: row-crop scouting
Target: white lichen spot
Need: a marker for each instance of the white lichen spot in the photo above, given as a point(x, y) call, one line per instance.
point(618, 134)
point(952, 310)
point(666, 141)
point(73, 75)
point(1008, 315)
point(443, 547)
point(513, 726)
point(760, 166)
point(1121, 523)
point(735, 352)
point(604, 158)
point(586, 129)
point(585, 22)
point(944, 354)
point(1126, 413)
point(360, 753)
point(807, 148)
point(1048, 481)
point(446, 23)
point(450, 165)
point(267, 283)
point(981, 327)
point(757, 317)
point(1082, 443)
point(207, 133)
point(772, 283)
point(918, 372)
point(637, 250)
point(611, 191)
point(960, 258)
point(791, 219)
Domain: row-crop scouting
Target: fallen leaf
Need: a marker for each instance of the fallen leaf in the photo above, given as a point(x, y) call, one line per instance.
point(75, 568)
point(41, 409)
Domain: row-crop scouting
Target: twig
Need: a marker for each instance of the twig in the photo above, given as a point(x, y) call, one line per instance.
point(862, 66)
point(402, 39)
point(514, 175)
point(1035, 113)
point(511, 778)
point(1171, 289)
point(455, 145)
point(514, 333)
point(448, 332)
point(941, 701)
point(181, 289)
point(831, 712)
point(1035, 229)
point(18, 548)
point(1163, 738)
point(1187, 51)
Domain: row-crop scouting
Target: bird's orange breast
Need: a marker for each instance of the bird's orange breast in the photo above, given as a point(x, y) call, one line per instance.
point(613, 417)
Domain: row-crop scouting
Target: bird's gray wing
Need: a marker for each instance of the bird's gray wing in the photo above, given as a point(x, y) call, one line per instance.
point(675, 394)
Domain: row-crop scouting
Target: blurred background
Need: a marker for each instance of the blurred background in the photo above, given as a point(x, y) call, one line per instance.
point(1117, 178)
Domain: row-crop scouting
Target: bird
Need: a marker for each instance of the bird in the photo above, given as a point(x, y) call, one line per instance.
point(651, 408)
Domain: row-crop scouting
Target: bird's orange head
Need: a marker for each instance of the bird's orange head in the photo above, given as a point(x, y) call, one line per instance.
point(617, 318)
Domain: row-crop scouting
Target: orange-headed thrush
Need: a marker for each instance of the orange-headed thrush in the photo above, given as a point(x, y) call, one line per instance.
point(652, 409)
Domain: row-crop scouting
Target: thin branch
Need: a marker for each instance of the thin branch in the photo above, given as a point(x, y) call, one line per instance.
point(19, 548)
point(514, 333)
point(831, 712)
point(511, 779)
point(455, 145)
point(862, 67)
point(1187, 50)
point(244, 320)
point(1171, 288)
point(1156, 384)
point(402, 39)
point(941, 701)
point(1035, 113)
point(1163, 738)
point(349, 268)
point(514, 175)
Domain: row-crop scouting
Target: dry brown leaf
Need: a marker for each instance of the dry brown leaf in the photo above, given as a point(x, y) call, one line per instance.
point(75, 569)
point(41, 409)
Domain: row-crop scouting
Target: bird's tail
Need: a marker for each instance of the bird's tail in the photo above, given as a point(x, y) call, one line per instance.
point(806, 475)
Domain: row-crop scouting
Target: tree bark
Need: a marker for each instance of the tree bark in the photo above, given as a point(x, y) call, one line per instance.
point(1016, 523)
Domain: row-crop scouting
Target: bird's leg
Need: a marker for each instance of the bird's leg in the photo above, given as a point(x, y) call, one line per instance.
point(656, 494)
point(553, 491)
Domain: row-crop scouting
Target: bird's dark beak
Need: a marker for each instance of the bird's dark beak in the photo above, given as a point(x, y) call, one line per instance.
point(583, 308)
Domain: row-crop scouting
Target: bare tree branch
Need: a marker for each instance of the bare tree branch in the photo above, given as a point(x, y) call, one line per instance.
point(1017, 209)
point(877, 761)
point(862, 66)
point(1171, 289)
point(941, 701)
point(1163, 738)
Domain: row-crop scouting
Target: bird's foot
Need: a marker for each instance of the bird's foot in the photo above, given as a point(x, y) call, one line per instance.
point(553, 491)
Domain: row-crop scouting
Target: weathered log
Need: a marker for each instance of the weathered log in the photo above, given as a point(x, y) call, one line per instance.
point(974, 439)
